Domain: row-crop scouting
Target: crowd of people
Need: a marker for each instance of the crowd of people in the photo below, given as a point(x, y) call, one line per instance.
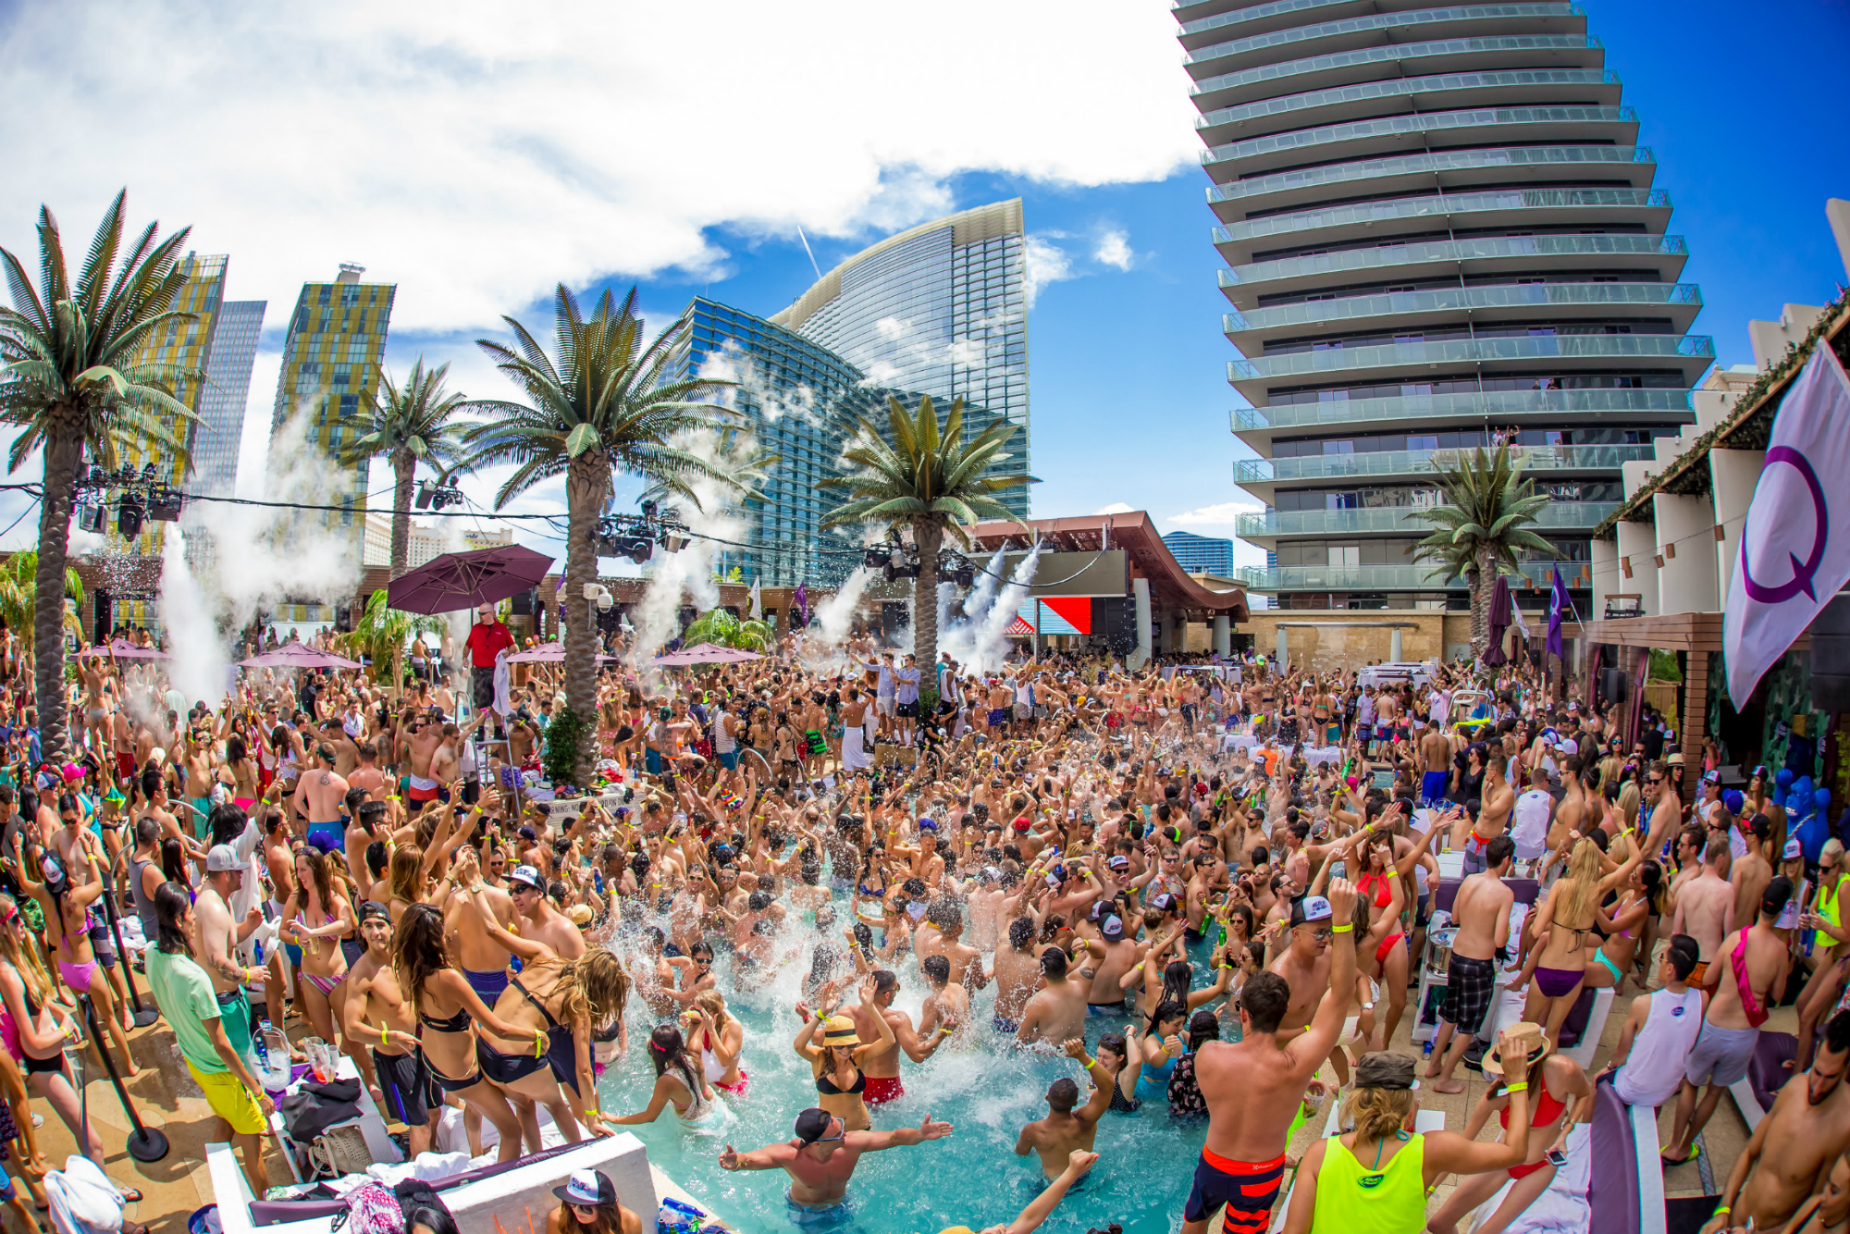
point(1235, 863)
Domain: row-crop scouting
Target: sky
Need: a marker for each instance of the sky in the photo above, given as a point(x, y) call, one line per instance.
point(477, 162)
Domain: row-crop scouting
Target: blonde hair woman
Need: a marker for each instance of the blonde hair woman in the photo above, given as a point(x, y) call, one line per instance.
point(720, 1039)
point(1563, 942)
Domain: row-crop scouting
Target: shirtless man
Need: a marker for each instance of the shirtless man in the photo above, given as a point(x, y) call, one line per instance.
point(1660, 794)
point(1254, 1087)
point(1305, 963)
point(882, 1066)
point(367, 775)
point(318, 799)
point(378, 1013)
point(540, 920)
point(1751, 872)
point(948, 1005)
point(945, 938)
point(1059, 1009)
point(1493, 817)
point(1706, 907)
point(854, 732)
point(420, 745)
point(1748, 982)
point(822, 1157)
point(96, 703)
point(1122, 952)
point(1481, 912)
point(1435, 753)
point(1796, 1145)
point(217, 939)
point(1066, 1130)
point(122, 746)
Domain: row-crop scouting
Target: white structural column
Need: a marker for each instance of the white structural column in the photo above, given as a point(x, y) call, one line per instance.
point(1223, 636)
point(1686, 581)
point(1284, 646)
point(1394, 645)
point(1733, 475)
point(1638, 543)
point(1606, 577)
point(1140, 590)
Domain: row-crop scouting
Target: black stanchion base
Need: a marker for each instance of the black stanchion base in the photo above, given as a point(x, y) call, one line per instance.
point(147, 1145)
point(145, 1016)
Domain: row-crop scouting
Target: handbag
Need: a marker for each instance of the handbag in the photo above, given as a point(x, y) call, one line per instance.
point(340, 1151)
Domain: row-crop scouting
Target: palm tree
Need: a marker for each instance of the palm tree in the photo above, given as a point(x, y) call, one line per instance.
point(381, 634)
point(722, 629)
point(603, 403)
point(1485, 517)
point(417, 424)
point(73, 375)
point(928, 478)
point(18, 594)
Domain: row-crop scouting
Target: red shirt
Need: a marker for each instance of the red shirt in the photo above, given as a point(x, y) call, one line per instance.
point(484, 641)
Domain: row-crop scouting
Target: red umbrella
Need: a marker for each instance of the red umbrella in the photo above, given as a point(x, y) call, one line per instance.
point(1499, 622)
point(457, 581)
point(297, 654)
point(124, 650)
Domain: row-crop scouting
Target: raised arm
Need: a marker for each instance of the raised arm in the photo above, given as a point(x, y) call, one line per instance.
point(1310, 1049)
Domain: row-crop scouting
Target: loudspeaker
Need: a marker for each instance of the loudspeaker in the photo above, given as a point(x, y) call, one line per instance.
point(343, 618)
point(524, 603)
point(1114, 620)
point(1614, 686)
point(1830, 656)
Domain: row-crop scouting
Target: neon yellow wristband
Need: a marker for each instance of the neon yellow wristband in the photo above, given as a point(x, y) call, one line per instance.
point(1342, 929)
point(1521, 1086)
point(1720, 1209)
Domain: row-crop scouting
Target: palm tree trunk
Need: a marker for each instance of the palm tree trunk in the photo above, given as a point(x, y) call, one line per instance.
point(63, 455)
point(928, 534)
point(404, 468)
point(587, 481)
point(1479, 603)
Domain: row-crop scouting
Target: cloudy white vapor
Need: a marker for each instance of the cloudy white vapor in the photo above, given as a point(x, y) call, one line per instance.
point(1114, 249)
point(477, 161)
point(1219, 515)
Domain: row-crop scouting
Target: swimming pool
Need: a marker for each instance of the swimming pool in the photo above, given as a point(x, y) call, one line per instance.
point(971, 1177)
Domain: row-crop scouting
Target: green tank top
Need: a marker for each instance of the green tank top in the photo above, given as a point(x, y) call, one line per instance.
point(1357, 1200)
point(1827, 905)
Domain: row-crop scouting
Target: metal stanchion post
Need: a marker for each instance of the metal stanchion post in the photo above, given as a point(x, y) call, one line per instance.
point(144, 1015)
point(145, 1144)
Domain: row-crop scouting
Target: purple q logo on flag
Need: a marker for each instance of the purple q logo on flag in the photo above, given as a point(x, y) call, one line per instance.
point(1802, 571)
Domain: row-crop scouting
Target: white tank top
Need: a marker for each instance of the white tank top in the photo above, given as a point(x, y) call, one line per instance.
point(1655, 1068)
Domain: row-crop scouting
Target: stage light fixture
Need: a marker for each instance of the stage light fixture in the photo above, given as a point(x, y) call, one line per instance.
point(128, 517)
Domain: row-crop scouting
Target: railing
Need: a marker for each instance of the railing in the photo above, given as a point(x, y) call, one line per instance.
point(1426, 252)
point(1491, 404)
point(1575, 515)
point(1416, 462)
point(1396, 578)
point(1398, 53)
point(1374, 21)
point(1425, 122)
point(1426, 164)
point(1401, 86)
point(1387, 304)
point(1470, 351)
point(1439, 205)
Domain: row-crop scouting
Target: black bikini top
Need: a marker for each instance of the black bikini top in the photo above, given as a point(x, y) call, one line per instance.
point(825, 1084)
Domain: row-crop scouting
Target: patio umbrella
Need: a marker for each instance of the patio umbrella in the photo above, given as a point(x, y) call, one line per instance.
point(1499, 622)
point(457, 581)
point(297, 654)
point(706, 653)
point(550, 653)
point(124, 650)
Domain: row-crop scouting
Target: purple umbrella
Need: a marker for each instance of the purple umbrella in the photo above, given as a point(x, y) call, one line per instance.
point(549, 653)
point(706, 653)
point(297, 654)
point(1499, 622)
point(124, 650)
point(457, 581)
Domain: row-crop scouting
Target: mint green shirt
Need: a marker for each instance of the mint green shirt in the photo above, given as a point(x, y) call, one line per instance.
point(184, 993)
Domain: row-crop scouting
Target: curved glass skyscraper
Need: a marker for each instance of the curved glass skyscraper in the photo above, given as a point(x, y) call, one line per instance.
point(1440, 232)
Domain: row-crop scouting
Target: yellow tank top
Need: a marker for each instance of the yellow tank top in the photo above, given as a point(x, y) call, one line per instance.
point(1827, 900)
point(1352, 1199)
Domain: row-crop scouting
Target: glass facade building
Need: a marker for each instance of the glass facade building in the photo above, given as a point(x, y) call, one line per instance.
point(332, 353)
point(1201, 554)
point(1440, 232)
point(227, 391)
point(939, 309)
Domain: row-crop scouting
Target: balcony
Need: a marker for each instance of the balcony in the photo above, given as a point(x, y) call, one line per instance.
point(1380, 221)
point(1373, 29)
point(1438, 92)
point(1692, 353)
point(1255, 425)
point(1388, 135)
point(1398, 578)
point(1505, 303)
point(1478, 256)
point(1236, 17)
point(1406, 174)
point(1413, 463)
point(1273, 524)
point(1423, 59)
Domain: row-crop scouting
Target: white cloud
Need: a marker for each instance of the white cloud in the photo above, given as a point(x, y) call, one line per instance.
point(477, 162)
point(968, 352)
point(893, 328)
point(1220, 515)
point(1114, 249)
point(1116, 507)
point(1047, 263)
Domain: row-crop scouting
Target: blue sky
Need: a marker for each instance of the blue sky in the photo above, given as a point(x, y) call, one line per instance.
point(474, 165)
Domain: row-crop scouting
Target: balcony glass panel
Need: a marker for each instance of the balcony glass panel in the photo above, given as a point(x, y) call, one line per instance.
point(1391, 578)
point(1415, 462)
point(1574, 515)
point(1426, 122)
point(1459, 298)
point(1375, 21)
point(1439, 204)
point(1465, 351)
point(1422, 164)
point(1449, 406)
point(1400, 87)
point(1426, 251)
point(1398, 53)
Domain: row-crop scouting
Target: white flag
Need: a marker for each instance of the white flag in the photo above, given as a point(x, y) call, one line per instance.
point(1795, 546)
point(1516, 616)
point(757, 602)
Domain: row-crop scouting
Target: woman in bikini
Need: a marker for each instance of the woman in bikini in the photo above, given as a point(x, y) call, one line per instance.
point(68, 921)
point(840, 1080)
point(315, 919)
point(678, 1083)
point(1643, 899)
point(36, 1030)
point(447, 1008)
point(1563, 941)
point(1385, 959)
point(720, 1039)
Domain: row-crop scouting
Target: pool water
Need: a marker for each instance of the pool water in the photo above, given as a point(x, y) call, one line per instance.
point(987, 1092)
